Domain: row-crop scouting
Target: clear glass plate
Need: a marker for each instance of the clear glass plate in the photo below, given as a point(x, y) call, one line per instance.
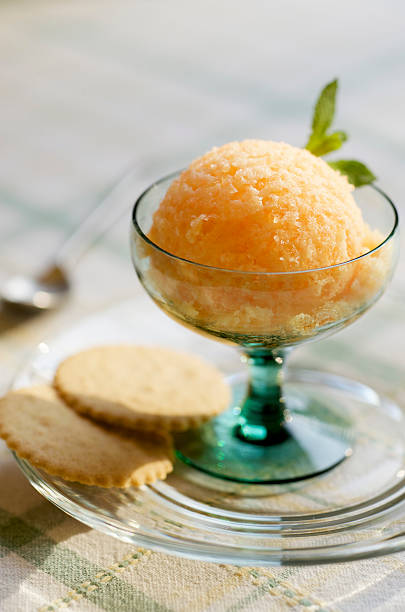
point(354, 511)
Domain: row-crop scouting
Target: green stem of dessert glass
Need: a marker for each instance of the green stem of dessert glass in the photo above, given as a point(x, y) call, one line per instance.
point(263, 412)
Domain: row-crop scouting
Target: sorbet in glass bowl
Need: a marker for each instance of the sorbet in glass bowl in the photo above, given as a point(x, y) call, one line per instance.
point(286, 222)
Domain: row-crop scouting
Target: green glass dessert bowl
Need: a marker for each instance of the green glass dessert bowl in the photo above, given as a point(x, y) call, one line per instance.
point(274, 432)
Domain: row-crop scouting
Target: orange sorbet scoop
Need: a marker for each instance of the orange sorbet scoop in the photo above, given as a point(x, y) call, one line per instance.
point(261, 206)
point(257, 207)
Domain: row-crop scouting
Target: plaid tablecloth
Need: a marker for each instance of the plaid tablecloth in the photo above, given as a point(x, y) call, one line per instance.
point(88, 86)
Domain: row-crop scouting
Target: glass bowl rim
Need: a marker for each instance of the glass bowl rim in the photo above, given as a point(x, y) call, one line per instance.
point(173, 175)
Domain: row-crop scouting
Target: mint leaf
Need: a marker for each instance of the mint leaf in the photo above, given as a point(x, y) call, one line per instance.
point(321, 143)
point(330, 143)
point(357, 173)
point(323, 114)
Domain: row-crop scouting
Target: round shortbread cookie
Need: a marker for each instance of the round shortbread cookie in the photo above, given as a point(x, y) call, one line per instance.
point(39, 427)
point(142, 387)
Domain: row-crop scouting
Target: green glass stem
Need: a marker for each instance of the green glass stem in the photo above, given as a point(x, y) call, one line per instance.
point(263, 412)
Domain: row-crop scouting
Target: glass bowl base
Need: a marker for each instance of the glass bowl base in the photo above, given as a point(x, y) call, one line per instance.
point(317, 439)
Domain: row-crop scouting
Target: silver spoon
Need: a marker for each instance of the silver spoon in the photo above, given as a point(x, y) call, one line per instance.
point(51, 287)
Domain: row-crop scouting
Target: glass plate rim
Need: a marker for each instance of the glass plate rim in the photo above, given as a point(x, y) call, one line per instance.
point(328, 554)
point(268, 557)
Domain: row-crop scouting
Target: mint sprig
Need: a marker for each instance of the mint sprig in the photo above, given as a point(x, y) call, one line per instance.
point(321, 142)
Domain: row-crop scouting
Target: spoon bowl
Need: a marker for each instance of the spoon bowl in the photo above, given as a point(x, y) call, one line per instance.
point(46, 292)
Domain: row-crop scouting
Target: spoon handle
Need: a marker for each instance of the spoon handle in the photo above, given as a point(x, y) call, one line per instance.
point(118, 201)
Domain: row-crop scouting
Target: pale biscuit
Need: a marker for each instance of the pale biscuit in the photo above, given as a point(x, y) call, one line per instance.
point(39, 427)
point(142, 387)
